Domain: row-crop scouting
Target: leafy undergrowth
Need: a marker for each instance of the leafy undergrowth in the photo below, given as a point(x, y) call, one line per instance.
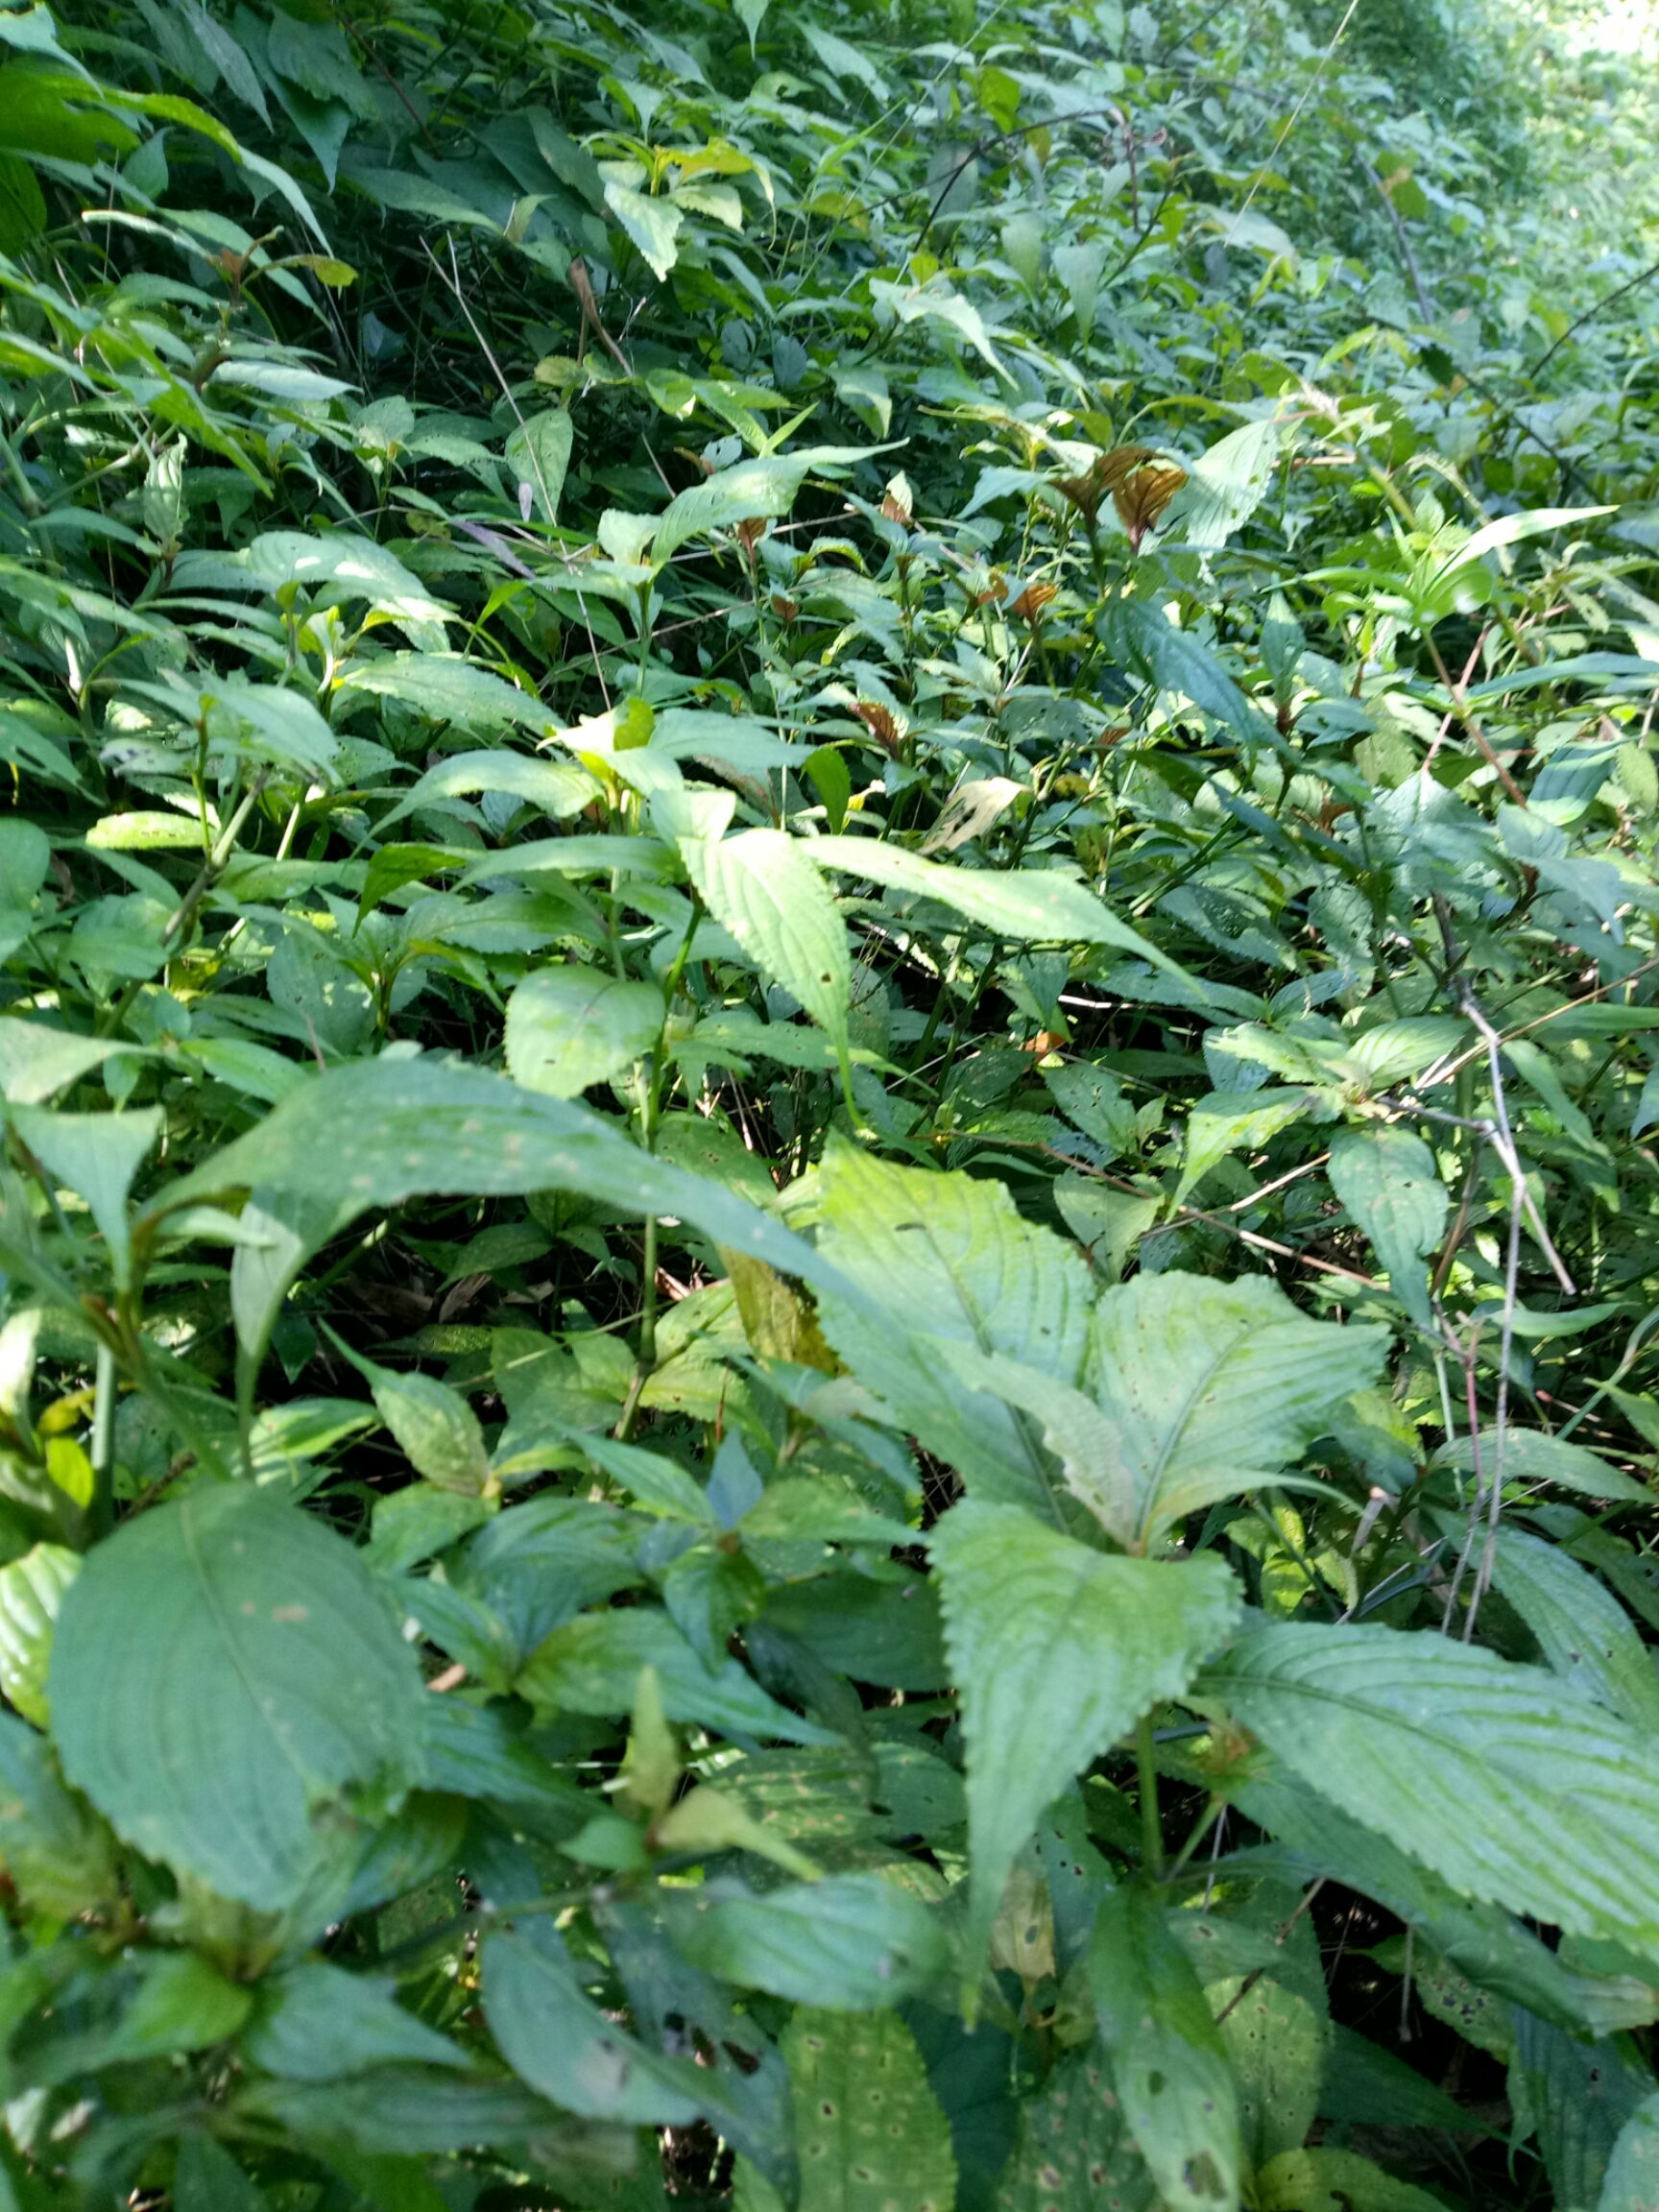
point(830, 1014)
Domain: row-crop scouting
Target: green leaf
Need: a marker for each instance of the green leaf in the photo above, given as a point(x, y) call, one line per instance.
point(948, 1257)
point(280, 1686)
point(1224, 487)
point(591, 1665)
point(1532, 1455)
point(1234, 1121)
point(1075, 2145)
point(1325, 2181)
point(1056, 1651)
point(1387, 1178)
point(451, 690)
point(380, 1131)
point(208, 2179)
point(555, 787)
point(761, 887)
point(573, 1026)
point(1584, 1633)
point(653, 225)
point(31, 1592)
point(1031, 905)
point(317, 2022)
point(853, 1942)
point(868, 2131)
point(55, 1850)
point(1168, 2062)
point(97, 1156)
point(1215, 1387)
point(1174, 661)
point(557, 2039)
point(1633, 2183)
point(539, 453)
point(1502, 1778)
point(1577, 2096)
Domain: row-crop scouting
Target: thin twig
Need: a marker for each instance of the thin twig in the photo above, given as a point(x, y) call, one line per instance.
point(1403, 243)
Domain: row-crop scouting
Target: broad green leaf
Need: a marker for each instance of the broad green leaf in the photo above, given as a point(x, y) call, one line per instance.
point(97, 1156)
point(436, 1429)
point(555, 787)
point(868, 2131)
point(317, 2022)
point(1216, 1387)
point(392, 2115)
point(592, 1663)
point(556, 2038)
point(36, 1060)
point(1326, 2180)
point(749, 492)
point(1632, 2181)
point(59, 1854)
point(1027, 904)
point(948, 1257)
point(1502, 1778)
point(1533, 1455)
point(384, 1130)
point(208, 2179)
point(1172, 660)
point(280, 1687)
point(1075, 2153)
point(539, 453)
point(31, 1592)
point(570, 1027)
point(1577, 2098)
point(177, 2002)
point(1228, 1122)
point(1169, 2062)
point(445, 690)
point(1056, 1651)
point(1277, 2040)
point(653, 225)
point(1224, 486)
point(760, 887)
point(853, 1942)
point(1584, 1633)
point(1387, 1178)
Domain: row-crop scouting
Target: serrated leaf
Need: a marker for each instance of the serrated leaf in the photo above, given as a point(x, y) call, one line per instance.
point(573, 1026)
point(280, 1685)
point(653, 225)
point(1387, 1180)
point(1056, 1651)
point(1577, 2098)
point(868, 2131)
point(1215, 1387)
point(761, 887)
point(948, 1257)
point(1501, 1778)
point(1169, 2062)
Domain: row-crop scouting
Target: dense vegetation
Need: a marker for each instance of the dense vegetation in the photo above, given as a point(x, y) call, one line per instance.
point(828, 930)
